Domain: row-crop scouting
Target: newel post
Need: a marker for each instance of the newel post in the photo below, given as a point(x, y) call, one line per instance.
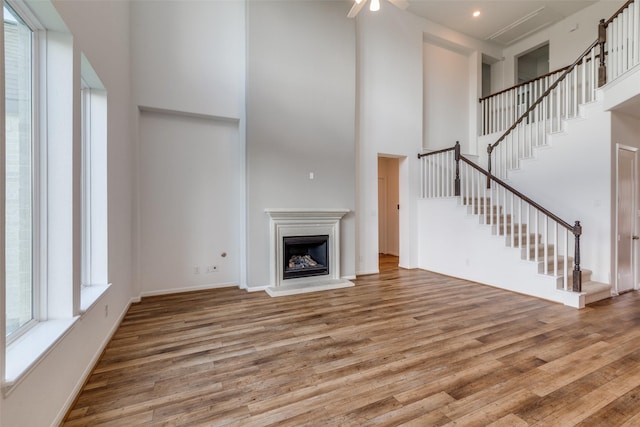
point(457, 180)
point(489, 151)
point(577, 274)
point(602, 40)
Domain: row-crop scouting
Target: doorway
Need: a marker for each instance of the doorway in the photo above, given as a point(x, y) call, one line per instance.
point(626, 208)
point(389, 207)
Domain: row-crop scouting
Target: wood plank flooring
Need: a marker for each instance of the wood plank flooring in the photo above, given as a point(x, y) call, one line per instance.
point(403, 347)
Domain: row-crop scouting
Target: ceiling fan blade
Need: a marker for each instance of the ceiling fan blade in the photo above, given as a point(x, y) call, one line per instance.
point(400, 4)
point(356, 8)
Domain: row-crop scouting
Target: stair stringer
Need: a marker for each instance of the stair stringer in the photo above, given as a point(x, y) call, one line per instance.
point(453, 242)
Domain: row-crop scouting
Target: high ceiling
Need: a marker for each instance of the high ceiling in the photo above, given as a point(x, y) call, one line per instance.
point(501, 21)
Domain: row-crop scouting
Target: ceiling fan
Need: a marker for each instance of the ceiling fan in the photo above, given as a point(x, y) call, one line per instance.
point(375, 6)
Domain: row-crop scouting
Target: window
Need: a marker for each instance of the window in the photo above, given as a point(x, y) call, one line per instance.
point(41, 281)
point(94, 185)
point(19, 170)
point(56, 266)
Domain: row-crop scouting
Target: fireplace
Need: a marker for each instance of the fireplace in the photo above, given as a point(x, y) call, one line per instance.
point(304, 252)
point(305, 256)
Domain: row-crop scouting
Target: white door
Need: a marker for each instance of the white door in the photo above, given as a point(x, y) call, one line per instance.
point(626, 219)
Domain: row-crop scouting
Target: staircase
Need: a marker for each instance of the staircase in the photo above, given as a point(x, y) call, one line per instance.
point(532, 249)
point(497, 227)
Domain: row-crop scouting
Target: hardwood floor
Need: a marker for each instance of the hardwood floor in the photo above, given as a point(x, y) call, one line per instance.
point(403, 347)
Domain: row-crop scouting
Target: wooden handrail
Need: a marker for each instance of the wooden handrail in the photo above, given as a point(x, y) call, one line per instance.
point(576, 228)
point(548, 213)
point(543, 96)
point(444, 150)
point(550, 73)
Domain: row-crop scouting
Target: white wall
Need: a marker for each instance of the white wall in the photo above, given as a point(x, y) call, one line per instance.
point(390, 114)
point(300, 119)
point(188, 68)
point(389, 122)
point(101, 31)
point(189, 202)
point(189, 55)
point(446, 94)
point(567, 39)
point(473, 253)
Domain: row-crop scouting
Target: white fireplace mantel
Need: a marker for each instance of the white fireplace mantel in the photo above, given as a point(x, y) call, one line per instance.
point(287, 222)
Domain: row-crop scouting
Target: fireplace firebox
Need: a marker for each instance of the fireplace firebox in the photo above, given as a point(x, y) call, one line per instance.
point(305, 256)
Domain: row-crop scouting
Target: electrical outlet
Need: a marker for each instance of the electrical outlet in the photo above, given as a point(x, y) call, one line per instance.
point(212, 269)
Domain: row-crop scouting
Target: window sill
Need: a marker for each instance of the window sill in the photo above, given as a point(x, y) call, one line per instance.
point(89, 295)
point(25, 353)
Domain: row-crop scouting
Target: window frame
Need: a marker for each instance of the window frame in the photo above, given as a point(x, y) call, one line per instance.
point(94, 203)
point(38, 217)
point(62, 295)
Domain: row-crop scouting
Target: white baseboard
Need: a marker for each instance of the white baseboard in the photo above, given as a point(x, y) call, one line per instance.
point(367, 272)
point(256, 288)
point(94, 360)
point(187, 289)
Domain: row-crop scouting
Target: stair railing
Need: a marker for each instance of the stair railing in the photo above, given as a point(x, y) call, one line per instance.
point(576, 85)
point(619, 38)
point(499, 110)
point(525, 224)
point(440, 173)
point(616, 51)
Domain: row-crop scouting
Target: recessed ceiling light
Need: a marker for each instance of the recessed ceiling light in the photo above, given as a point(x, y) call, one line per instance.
point(476, 13)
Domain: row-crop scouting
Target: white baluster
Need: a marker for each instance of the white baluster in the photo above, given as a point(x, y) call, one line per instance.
point(575, 92)
point(613, 51)
point(513, 220)
point(593, 85)
point(528, 232)
point(544, 113)
point(583, 77)
point(636, 32)
point(427, 176)
point(432, 178)
point(555, 248)
point(620, 52)
point(558, 106)
point(536, 240)
point(493, 114)
point(504, 211)
point(423, 179)
point(566, 260)
point(520, 236)
point(567, 97)
point(630, 31)
point(487, 199)
point(546, 244)
point(623, 42)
